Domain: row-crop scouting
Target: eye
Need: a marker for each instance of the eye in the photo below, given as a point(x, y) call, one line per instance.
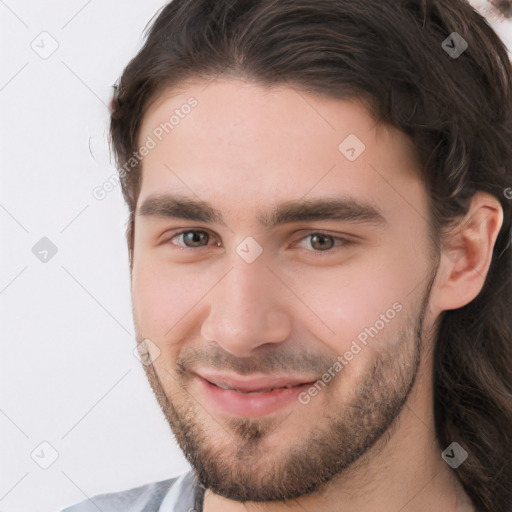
point(317, 242)
point(323, 242)
point(191, 239)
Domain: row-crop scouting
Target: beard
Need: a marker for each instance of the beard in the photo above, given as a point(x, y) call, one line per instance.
point(230, 455)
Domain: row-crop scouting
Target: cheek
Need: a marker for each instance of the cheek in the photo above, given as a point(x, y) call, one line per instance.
point(159, 300)
point(169, 301)
point(358, 302)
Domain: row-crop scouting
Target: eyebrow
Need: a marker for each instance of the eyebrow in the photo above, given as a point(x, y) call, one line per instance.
point(346, 209)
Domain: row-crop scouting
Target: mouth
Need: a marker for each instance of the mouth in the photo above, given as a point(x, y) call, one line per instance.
point(257, 392)
point(256, 384)
point(250, 398)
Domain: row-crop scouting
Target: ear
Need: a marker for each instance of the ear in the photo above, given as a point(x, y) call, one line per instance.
point(466, 254)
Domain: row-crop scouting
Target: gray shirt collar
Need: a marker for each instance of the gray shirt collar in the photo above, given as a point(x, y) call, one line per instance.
point(184, 496)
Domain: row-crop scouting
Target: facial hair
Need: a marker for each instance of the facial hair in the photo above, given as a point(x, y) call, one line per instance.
point(350, 425)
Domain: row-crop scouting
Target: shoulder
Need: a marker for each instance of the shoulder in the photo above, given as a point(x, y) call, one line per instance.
point(146, 497)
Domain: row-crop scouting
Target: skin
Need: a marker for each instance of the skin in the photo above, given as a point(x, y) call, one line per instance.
point(245, 149)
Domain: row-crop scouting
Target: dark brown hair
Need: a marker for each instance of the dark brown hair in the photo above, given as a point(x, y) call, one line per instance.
point(457, 110)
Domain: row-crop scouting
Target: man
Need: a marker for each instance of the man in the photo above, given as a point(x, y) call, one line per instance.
point(319, 242)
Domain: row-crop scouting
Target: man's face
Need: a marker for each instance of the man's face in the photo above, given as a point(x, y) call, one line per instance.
point(333, 296)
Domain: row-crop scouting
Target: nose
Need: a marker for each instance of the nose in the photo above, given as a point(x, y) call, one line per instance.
point(247, 309)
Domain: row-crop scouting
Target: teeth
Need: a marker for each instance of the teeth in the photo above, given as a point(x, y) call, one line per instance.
point(223, 386)
point(255, 392)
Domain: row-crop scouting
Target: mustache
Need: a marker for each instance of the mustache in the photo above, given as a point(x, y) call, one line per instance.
point(270, 362)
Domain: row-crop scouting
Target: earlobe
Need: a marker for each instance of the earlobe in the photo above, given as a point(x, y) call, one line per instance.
point(467, 253)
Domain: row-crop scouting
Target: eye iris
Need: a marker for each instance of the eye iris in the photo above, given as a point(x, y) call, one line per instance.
point(318, 242)
point(194, 237)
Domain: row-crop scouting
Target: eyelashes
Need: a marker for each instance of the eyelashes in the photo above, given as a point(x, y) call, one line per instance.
point(200, 236)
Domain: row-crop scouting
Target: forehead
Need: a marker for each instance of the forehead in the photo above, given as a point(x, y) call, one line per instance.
point(239, 142)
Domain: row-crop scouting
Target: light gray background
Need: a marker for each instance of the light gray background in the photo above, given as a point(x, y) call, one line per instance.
point(68, 376)
point(67, 372)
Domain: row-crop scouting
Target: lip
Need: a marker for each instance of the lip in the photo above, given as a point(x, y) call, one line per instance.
point(236, 403)
point(255, 383)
